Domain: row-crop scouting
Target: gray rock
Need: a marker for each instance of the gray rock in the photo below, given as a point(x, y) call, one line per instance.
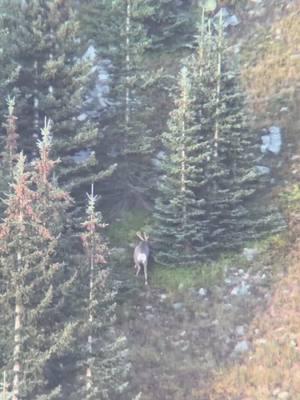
point(240, 330)
point(241, 347)
point(178, 306)
point(241, 290)
point(272, 142)
point(284, 109)
point(250, 253)
point(82, 117)
point(90, 54)
point(232, 21)
point(202, 292)
point(262, 170)
point(163, 297)
point(97, 98)
point(227, 18)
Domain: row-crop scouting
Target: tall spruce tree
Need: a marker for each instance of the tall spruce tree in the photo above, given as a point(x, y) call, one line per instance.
point(51, 80)
point(8, 158)
point(33, 284)
point(105, 361)
point(234, 150)
point(129, 139)
point(181, 224)
point(9, 144)
point(210, 135)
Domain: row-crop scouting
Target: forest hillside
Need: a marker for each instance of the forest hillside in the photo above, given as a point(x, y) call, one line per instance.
point(149, 193)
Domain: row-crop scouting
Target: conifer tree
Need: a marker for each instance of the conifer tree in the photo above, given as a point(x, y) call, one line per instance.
point(209, 134)
point(8, 155)
point(129, 121)
point(106, 366)
point(33, 285)
point(52, 81)
point(234, 151)
point(8, 158)
point(181, 224)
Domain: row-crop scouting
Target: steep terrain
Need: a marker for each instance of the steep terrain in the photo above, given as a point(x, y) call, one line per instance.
point(230, 330)
point(180, 337)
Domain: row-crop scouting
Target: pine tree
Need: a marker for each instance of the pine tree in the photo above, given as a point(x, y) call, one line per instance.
point(106, 366)
point(8, 158)
point(234, 151)
point(130, 137)
point(52, 81)
point(54, 201)
point(181, 224)
point(33, 285)
point(8, 155)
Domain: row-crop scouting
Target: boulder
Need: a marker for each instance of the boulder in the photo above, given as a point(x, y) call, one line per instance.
point(272, 141)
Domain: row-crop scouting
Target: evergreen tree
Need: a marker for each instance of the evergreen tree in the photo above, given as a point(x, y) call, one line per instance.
point(129, 121)
point(8, 155)
point(209, 177)
point(234, 150)
point(181, 224)
point(51, 80)
point(105, 363)
point(33, 286)
point(54, 201)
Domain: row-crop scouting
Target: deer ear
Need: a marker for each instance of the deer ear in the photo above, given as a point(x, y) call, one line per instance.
point(146, 237)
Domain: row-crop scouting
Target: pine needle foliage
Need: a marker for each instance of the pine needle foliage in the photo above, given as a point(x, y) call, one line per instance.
point(181, 225)
point(235, 149)
point(130, 138)
point(33, 285)
point(52, 81)
point(104, 354)
point(9, 153)
point(210, 177)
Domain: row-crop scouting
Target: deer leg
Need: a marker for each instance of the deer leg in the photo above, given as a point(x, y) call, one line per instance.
point(146, 273)
point(138, 267)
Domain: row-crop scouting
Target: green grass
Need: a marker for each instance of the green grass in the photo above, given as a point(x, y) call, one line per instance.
point(172, 278)
point(269, 242)
point(291, 198)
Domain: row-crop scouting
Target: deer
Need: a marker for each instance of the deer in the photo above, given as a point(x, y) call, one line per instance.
point(141, 255)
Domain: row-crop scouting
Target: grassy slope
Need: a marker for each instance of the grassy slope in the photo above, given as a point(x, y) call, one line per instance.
point(272, 369)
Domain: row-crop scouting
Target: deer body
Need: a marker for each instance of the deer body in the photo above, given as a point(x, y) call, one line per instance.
point(141, 256)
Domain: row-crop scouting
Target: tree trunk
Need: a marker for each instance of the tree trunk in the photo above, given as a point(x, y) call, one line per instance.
point(183, 152)
point(91, 297)
point(127, 61)
point(36, 117)
point(219, 71)
point(17, 339)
